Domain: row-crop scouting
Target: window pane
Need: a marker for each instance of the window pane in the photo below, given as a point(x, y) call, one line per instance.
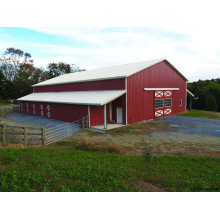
point(159, 103)
point(181, 102)
point(167, 102)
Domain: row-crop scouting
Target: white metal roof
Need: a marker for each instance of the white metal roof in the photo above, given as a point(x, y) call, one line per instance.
point(113, 72)
point(81, 98)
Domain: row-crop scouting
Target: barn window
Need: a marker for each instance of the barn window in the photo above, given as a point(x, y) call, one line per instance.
point(22, 107)
point(27, 108)
point(48, 113)
point(181, 102)
point(167, 102)
point(159, 103)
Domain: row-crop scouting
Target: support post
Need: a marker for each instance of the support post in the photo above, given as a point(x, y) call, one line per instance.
point(25, 136)
point(3, 134)
point(83, 123)
point(190, 103)
point(43, 136)
point(87, 121)
point(105, 119)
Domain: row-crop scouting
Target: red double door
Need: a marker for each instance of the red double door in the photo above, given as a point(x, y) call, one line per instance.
point(163, 103)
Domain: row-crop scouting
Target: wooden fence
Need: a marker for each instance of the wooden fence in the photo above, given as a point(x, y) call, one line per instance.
point(31, 135)
point(26, 135)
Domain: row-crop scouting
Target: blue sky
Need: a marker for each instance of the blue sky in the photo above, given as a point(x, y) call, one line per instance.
point(195, 52)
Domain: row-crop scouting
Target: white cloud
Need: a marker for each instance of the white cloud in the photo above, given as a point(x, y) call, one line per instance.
point(194, 51)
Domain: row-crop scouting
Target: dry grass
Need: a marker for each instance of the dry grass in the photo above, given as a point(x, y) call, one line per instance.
point(161, 143)
point(98, 146)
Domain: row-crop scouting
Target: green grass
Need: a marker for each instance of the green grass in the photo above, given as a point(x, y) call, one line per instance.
point(202, 114)
point(64, 168)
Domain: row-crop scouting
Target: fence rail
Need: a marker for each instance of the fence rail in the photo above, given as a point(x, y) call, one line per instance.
point(66, 130)
point(44, 136)
point(27, 135)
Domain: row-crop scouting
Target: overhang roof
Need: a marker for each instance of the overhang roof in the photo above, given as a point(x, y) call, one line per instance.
point(79, 98)
point(113, 72)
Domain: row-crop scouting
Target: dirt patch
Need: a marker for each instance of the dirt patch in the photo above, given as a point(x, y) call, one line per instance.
point(161, 143)
point(144, 186)
point(4, 166)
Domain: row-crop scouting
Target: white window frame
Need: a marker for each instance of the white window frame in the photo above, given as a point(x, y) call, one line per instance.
point(181, 102)
point(155, 103)
point(169, 105)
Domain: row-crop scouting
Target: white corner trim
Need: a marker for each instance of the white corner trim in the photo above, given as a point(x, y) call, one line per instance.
point(89, 114)
point(126, 115)
point(154, 89)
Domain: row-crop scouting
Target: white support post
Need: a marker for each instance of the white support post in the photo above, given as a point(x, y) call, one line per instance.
point(89, 114)
point(105, 119)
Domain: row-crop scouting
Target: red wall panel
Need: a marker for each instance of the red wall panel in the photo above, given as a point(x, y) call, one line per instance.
point(97, 112)
point(120, 102)
point(63, 112)
point(97, 115)
point(114, 84)
point(140, 103)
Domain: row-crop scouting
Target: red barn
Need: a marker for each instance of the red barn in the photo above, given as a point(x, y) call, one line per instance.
point(122, 94)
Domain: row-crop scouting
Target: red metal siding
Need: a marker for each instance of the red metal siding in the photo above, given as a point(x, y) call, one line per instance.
point(97, 115)
point(120, 102)
point(140, 103)
point(63, 112)
point(114, 84)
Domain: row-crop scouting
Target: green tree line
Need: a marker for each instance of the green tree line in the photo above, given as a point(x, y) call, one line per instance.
point(18, 73)
point(208, 93)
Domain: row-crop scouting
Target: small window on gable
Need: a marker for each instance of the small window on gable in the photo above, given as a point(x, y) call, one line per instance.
point(181, 102)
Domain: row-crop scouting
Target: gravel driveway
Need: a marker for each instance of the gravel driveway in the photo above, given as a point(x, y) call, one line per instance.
point(33, 121)
point(192, 125)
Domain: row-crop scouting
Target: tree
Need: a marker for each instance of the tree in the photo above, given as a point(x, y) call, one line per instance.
point(211, 103)
point(11, 61)
point(57, 69)
point(208, 93)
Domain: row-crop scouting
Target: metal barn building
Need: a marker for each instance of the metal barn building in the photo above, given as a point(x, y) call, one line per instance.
point(122, 94)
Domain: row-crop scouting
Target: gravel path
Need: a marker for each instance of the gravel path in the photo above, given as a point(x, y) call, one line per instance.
point(33, 121)
point(192, 125)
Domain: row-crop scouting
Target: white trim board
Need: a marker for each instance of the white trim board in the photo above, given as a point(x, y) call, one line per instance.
point(155, 89)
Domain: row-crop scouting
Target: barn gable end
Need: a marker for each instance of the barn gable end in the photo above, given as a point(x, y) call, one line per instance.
point(140, 103)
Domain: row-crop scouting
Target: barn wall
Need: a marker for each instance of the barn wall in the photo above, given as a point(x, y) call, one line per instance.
point(120, 102)
point(97, 115)
point(97, 112)
point(63, 112)
point(140, 103)
point(114, 84)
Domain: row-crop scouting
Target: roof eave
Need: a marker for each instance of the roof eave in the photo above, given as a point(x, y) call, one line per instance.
point(89, 80)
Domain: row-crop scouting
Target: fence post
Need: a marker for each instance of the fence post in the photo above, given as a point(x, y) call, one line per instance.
point(3, 133)
point(43, 136)
point(25, 136)
point(87, 121)
point(83, 122)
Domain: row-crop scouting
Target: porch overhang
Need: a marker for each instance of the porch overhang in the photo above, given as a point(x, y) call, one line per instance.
point(98, 98)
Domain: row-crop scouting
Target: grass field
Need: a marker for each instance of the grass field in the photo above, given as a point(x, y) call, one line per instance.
point(68, 167)
point(132, 158)
point(202, 114)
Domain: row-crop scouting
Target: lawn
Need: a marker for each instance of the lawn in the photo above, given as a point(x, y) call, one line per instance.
point(70, 167)
point(202, 114)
